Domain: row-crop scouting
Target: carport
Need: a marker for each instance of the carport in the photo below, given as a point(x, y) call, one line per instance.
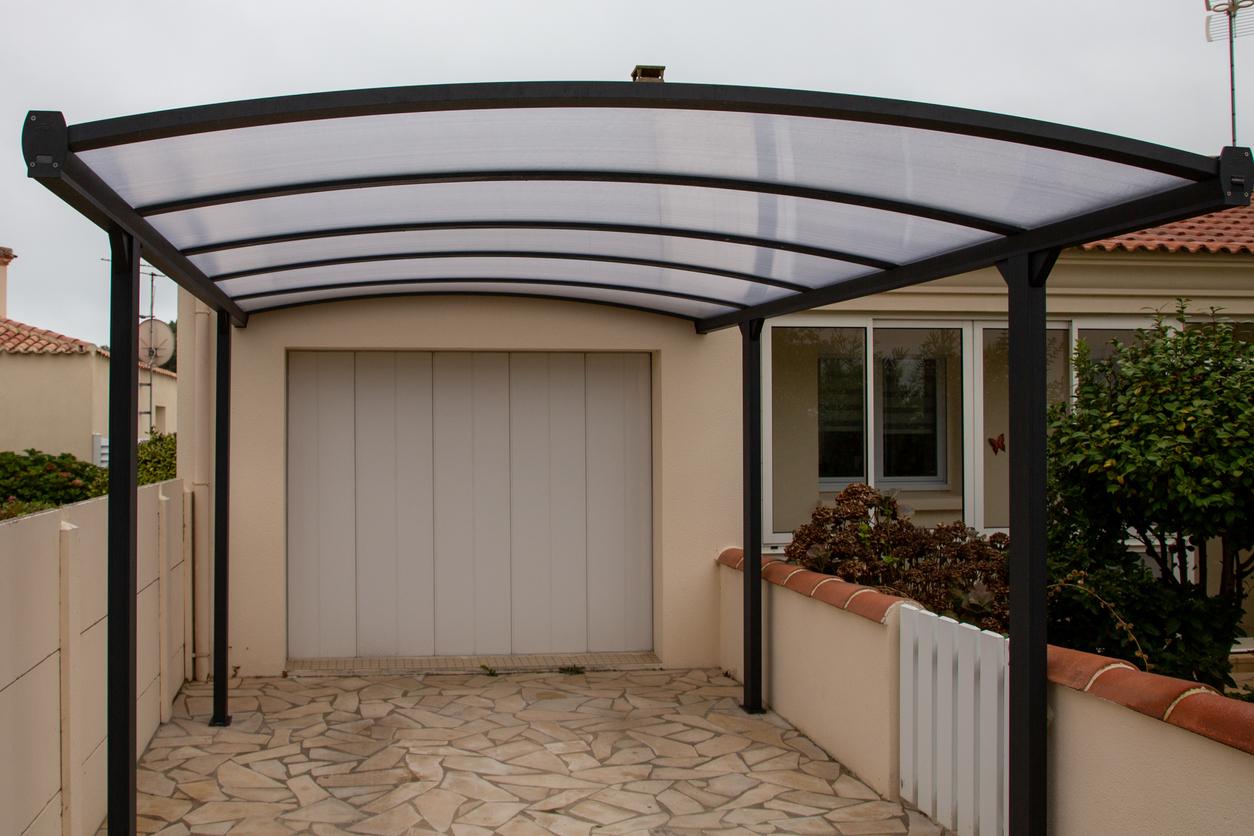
point(721, 205)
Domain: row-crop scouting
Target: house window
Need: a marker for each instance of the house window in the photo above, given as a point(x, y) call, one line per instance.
point(818, 412)
point(917, 372)
point(836, 420)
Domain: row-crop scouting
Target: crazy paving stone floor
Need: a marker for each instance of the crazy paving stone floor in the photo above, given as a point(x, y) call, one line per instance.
point(633, 752)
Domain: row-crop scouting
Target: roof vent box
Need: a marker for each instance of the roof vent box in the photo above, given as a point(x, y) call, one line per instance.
point(648, 72)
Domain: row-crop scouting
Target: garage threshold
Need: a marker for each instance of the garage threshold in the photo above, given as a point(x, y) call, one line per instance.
point(365, 665)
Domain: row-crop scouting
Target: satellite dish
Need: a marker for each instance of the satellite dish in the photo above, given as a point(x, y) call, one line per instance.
point(156, 342)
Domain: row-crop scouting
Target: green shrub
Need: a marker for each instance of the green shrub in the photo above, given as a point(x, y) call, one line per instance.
point(14, 507)
point(950, 569)
point(1102, 597)
point(32, 476)
point(1158, 445)
point(158, 458)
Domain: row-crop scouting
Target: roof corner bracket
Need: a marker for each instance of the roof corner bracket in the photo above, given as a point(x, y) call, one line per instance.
point(1236, 175)
point(45, 143)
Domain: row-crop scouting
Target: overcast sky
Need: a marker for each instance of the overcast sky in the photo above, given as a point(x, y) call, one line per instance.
point(1142, 69)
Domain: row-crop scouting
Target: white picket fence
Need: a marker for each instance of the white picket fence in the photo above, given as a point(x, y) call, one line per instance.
point(954, 723)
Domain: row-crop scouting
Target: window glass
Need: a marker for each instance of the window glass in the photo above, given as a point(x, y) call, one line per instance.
point(1101, 340)
point(918, 372)
point(996, 409)
point(818, 418)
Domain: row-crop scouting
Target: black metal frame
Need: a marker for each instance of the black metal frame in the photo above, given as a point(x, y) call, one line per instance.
point(435, 283)
point(577, 226)
point(221, 523)
point(607, 94)
point(525, 254)
point(902, 207)
point(751, 495)
point(122, 756)
point(1025, 277)
point(1024, 256)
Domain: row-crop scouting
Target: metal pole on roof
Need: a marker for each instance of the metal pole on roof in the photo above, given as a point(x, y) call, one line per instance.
point(751, 384)
point(1025, 277)
point(221, 523)
point(122, 572)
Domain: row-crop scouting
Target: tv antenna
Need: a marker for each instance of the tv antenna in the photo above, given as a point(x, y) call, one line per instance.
point(1229, 19)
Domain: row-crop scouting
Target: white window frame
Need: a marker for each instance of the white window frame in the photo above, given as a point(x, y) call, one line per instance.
point(975, 518)
point(774, 540)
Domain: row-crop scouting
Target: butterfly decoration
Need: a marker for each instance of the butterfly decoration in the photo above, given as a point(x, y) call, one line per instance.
point(998, 444)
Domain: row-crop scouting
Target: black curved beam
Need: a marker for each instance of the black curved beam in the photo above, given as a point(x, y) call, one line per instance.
point(1237, 172)
point(557, 256)
point(902, 207)
point(669, 96)
point(581, 226)
point(476, 293)
point(621, 288)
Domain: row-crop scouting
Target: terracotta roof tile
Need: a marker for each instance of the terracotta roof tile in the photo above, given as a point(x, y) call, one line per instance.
point(20, 338)
point(1230, 231)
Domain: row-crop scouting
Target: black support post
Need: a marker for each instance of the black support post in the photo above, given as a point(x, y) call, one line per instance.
point(123, 433)
point(751, 382)
point(1025, 279)
point(221, 523)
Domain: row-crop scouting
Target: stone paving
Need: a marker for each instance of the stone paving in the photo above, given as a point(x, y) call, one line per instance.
point(627, 752)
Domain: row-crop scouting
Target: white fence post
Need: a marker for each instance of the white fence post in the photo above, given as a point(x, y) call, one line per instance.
point(953, 742)
point(71, 761)
point(163, 608)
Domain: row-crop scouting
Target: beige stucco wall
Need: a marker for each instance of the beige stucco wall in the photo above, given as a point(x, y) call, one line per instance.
point(831, 673)
point(47, 402)
point(696, 426)
point(53, 658)
point(164, 399)
point(56, 402)
point(1119, 773)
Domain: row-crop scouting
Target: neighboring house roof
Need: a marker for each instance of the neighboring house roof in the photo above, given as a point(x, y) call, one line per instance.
point(20, 338)
point(1230, 231)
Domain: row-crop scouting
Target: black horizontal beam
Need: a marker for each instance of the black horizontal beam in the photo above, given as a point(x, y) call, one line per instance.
point(64, 174)
point(556, 256)
point(669, 96)
point(645, 291)
point(477, 293)
point(657, 178)
point(580, 226)
point(1165, 207)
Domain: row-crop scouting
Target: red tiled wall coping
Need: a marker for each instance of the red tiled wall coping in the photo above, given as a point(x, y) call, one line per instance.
point(1187, 705)
point(851, 597)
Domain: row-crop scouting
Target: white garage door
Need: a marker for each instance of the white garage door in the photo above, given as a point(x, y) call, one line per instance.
point(468, 503)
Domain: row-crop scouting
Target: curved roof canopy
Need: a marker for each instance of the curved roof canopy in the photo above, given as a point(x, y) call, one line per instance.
point(714, 203)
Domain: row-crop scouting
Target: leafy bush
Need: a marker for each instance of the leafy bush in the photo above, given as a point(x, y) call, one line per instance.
point(950, 569)
point(1157, 445)
point(38, 477)
point(14, 507)
point(158, 458)
point(35, 481)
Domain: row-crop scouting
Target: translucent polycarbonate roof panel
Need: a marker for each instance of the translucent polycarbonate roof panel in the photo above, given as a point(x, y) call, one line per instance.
point(990, 178)
point(682, 198)
point(571, 270)
point(871, 232)
point(766, 262)
point(662, 304)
